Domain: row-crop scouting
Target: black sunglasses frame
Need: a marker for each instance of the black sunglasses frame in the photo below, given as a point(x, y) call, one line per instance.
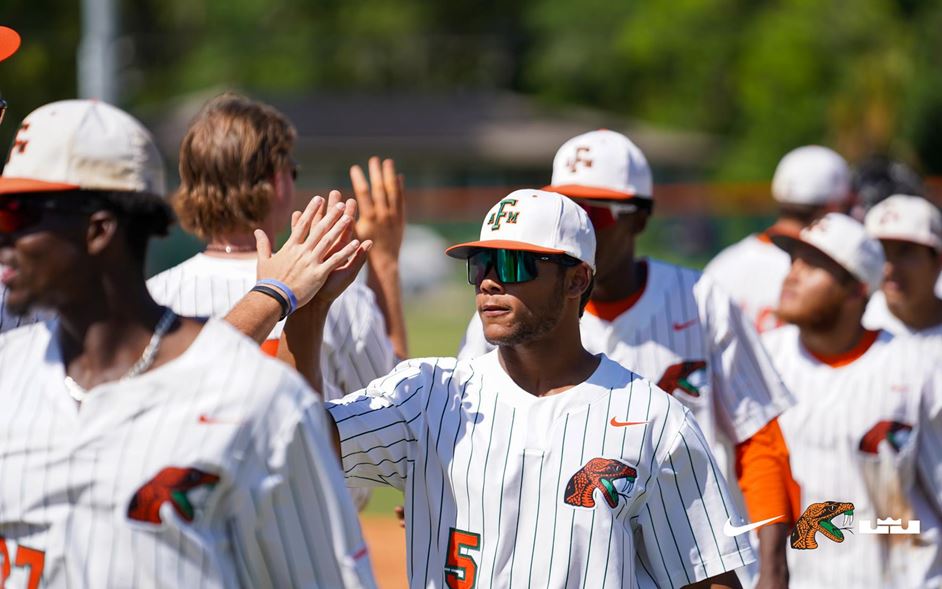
point(524, 264)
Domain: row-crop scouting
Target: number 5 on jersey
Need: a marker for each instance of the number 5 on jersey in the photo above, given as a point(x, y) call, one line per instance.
point(461, 570)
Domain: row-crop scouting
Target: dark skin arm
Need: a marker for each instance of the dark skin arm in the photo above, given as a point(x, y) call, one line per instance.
point(773, 565)
point(727, 580)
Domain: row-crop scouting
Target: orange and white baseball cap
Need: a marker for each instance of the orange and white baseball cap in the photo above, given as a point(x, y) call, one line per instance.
point(535, 221)
point(902, 217)
point(9, 42)
point(844, 240)
point(602, 165)
point(811, 175)
point(82, 144)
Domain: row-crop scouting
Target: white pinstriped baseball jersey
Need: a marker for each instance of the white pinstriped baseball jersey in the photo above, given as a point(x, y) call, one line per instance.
point(868, 432)
point(685, 335)
point(355, 350)
point(608, 484)
point(8, 320)
point(213, 470)
point(751, 271)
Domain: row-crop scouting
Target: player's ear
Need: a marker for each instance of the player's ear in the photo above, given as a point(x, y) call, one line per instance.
point(101, 231)
point(578, 280)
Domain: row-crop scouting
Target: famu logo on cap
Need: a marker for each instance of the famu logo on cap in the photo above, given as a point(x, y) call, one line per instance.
point(495, 218)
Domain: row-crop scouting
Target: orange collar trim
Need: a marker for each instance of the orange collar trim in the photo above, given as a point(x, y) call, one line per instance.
point(838, 360)
point(610, 310)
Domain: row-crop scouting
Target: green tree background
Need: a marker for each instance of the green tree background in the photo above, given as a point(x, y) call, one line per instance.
point(765, 76)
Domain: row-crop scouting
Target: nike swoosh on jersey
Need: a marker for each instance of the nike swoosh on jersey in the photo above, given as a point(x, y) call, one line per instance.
point(684, 325)
point(616, 423)
point(207, 420)
point(730, 530)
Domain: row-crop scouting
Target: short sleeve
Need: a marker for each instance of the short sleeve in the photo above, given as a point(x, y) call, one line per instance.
point(378, 425)
point(300, 528)
point(680, 527)
point(748, 391)
point(356, 348)
point(474, 345)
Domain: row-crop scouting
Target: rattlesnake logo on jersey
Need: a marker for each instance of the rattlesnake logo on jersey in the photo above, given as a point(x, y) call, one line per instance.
point(601, 474)
point(677, 376)
point(894, 432)
point(817, 518)
point(172, 485)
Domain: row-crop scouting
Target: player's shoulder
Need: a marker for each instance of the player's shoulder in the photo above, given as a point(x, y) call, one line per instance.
point(25, 341)
point(425, 376)
point(252, 378)
point(201, 266)
point(355, 306)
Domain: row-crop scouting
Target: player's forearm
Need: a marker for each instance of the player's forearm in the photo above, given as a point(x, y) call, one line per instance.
point(255, 315)
point(383, 280)
point(773, 564)
point(727, 580)
point(302, 340)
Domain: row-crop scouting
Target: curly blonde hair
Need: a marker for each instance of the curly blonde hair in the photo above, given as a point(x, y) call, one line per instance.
point(228, 161)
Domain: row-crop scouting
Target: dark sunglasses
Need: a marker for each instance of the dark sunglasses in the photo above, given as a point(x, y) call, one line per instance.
point(20, 213)
point(511, 266)
point(604, 214)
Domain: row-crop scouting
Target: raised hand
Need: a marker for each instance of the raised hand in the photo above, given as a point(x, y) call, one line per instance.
point(382, 207)
point(321, 242)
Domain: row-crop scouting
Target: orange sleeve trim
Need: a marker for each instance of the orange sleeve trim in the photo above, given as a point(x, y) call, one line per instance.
point(848, 357)
point(270, 347)
point(765, 477)
point(610, 310)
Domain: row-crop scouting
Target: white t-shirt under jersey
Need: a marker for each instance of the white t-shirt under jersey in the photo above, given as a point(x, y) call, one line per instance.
point(868, 432)
point(213, 470)
point(355, 350)
point(608, 484)
point(751, 271)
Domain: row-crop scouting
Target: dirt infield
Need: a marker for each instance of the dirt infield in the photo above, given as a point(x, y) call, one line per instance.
point(387, 543)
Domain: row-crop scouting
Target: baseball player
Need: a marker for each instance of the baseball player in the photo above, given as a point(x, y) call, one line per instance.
point(540, 464)
point(910, 230)
point(674, 326)
point(866, 430)
point(9, 43)
point(140, 448)
point(809, 182)
point(224, 195)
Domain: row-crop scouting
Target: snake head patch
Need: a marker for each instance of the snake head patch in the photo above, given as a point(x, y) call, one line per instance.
point(601, 474)
point(818, 518)
point(678, 376)
point(178, 486)
point(896, 433)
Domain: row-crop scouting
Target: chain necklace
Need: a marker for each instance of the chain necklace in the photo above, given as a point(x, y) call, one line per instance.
point(79, 394)
point(230, 249)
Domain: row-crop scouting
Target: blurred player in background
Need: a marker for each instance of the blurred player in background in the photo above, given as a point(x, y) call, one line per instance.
point(675, 327)
point(141, 448)
point(865, 434)
point(237, 174)
point(539, 463)
point(809, 182)
point(9, 43)
point(910, 230)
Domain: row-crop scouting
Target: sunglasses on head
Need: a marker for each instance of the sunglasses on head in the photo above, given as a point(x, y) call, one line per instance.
point(20, 213)
point(511, 266)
